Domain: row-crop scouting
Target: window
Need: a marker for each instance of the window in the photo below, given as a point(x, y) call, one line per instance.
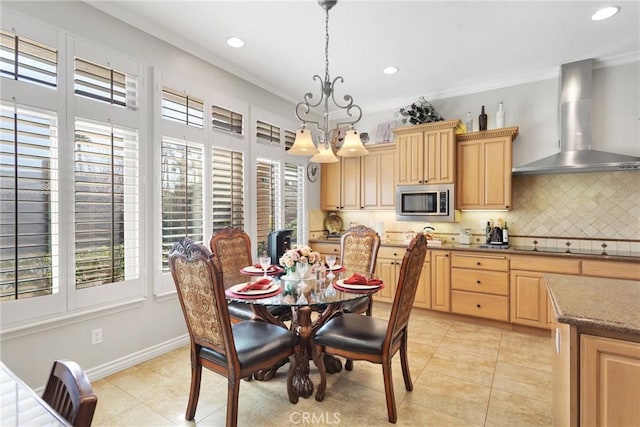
point(106, 204)
point(105, 84)
point(293, 197)
point(27, 60)
point(228, 188)
point(267, 133)
point(289, 139)
point(182, 108)
point(267, 173)
point(182, 191)
point(29, 203)
point(228, 120)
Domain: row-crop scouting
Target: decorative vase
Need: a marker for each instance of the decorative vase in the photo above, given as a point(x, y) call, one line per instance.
point(290, 272)
point(500, 116)
point(469, 123)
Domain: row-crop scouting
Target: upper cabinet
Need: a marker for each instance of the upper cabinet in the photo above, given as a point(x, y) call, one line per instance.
point(484, 169)
point(356, 183)
point(426, 153)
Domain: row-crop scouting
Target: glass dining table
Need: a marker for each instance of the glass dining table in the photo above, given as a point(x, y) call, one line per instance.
point(312, 301)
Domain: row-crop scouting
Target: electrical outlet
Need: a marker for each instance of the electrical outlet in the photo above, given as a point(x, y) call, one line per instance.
point(96, 336)
point(483, 224)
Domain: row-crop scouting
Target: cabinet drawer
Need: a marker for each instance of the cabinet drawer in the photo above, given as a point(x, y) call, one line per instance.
point(546, 264)
point(327, 248)
point(480, 305)
point(488, 282)
point(480, 261)
point(391, 252)
point(612, 269)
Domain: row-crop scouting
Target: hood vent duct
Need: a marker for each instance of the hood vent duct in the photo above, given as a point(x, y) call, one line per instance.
point(575, 153)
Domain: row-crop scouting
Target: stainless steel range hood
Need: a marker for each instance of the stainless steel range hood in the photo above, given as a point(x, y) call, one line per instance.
point(575, 153)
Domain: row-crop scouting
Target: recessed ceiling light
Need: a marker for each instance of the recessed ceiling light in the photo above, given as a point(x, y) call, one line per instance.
point(605, 12)
point(235, 42)
point(390, 70)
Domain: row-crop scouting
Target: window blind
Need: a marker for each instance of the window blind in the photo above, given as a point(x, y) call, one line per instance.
point(28, 203)
point(228, 189)
point(267, 133)
point(105, 84)
point(182, 108)
point(267, 173)
point(106, 204)
point(27, 60)
point(224, 119)
point(293, 197)
point(289, 139)
point(182, 191)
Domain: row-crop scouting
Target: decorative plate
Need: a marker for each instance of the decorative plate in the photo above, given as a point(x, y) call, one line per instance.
point(313, 171)
point(333, 223)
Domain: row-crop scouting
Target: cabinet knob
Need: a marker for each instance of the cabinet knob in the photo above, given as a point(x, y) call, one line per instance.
point(478, 282)
point(478, 305)
point(478, 263)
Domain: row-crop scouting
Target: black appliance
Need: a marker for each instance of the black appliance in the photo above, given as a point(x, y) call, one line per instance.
point(278, 242)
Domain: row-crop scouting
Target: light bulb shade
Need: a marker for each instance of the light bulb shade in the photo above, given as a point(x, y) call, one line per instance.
point(325, 155)
point(352, 146)
point(303, 144)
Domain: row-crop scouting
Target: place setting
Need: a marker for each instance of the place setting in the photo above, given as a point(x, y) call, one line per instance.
point(264, 268)
point(358, 283)
point(262, 288)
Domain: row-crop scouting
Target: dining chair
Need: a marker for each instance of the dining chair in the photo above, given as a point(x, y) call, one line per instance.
point(69, 392)
point(233, 350)
point(359, 247)
point(375, 340)
point(232, 247)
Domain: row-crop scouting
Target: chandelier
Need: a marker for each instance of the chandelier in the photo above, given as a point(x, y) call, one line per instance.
point(303, 144)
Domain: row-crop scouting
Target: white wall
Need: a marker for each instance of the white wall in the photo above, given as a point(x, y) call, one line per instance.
point(153, 324)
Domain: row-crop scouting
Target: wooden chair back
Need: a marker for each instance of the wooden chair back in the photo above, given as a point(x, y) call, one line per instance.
point(359, 249)
point(232, 247)
point(69, 392)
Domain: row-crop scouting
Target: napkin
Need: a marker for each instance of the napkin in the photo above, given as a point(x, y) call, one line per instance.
point(257, 286)
point(359, 279)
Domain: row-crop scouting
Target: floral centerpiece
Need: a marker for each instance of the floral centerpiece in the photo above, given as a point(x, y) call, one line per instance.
point(299, 253)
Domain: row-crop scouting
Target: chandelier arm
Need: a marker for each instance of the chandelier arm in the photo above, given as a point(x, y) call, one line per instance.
point(351, 122)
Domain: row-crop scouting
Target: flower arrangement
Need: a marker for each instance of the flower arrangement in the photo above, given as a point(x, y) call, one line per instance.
point(299, 253)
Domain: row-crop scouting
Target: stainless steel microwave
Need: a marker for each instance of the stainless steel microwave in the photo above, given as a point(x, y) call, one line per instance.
point(427, 202)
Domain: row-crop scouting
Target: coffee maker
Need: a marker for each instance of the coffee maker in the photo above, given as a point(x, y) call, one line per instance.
point(278, 242)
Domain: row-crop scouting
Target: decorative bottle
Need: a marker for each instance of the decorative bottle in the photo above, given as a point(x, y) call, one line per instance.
point(482, 120)
point(469, 122)
point(505, 229)
point(500, 116)
point(488, 232)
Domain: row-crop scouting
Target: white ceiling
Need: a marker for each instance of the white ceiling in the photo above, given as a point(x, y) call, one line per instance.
point(442, 48)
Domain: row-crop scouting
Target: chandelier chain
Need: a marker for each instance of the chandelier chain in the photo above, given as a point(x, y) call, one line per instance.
point(326, 45)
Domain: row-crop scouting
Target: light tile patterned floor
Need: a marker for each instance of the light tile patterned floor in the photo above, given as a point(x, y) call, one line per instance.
point(464, 374)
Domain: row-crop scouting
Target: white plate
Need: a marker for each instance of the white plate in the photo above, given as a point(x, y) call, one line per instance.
point(236, 289)
point(336, 267)
point(354, 286)
point(252, 269)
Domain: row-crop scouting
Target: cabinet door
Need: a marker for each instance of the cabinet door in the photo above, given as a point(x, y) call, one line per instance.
point(497, 173)
point(441, 281)
point(330, 186)
point(423, 293)
point(410, 149)
point(350, 183)
point(387, 179)
point(386, 269)
point(370, 168)
point(529, 300)
point(439, 157)
point(470, 172)
point(609, 382)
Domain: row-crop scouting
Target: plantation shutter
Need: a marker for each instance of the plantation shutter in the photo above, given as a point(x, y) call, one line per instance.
point(105, 84)
point(289, 138)
point(266, 174)
point(267, 133)
point(293, 179)
point(182, 108)
point(28, 60)
point(224, 119)
point(228, 188)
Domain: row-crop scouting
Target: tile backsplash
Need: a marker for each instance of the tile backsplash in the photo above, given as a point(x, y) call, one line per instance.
point(594, 205)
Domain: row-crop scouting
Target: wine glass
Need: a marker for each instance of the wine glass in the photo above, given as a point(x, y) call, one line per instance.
point(302, 266)
point(265, 262)
point(331, 261)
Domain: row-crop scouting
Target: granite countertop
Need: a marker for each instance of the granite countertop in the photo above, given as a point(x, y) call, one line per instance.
point(619, 255)
point(606, 304)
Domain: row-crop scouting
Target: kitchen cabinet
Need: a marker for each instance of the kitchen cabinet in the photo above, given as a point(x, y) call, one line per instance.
point(441, 280)
point(325, 249)
point(484, 169)
point(387, 268)
point(355, 183)
point(426, 153)
point(611, 269)
point(480, 285)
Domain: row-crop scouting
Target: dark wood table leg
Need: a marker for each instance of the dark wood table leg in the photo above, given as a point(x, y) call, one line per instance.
point(299, 380)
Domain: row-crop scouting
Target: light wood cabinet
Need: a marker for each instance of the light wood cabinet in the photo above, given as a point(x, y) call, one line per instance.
point(611, 269)
point(484, 169)
point(564, 380)
point(480, 285)
point(423, 293)
point(529, 303)
point(387, 268)
point(441, 280)
point(325, 249)
point(355, 183)
point(609, 382)
point(426, 153)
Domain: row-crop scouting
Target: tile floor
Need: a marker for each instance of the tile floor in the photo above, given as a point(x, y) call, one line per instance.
point(464, 374)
